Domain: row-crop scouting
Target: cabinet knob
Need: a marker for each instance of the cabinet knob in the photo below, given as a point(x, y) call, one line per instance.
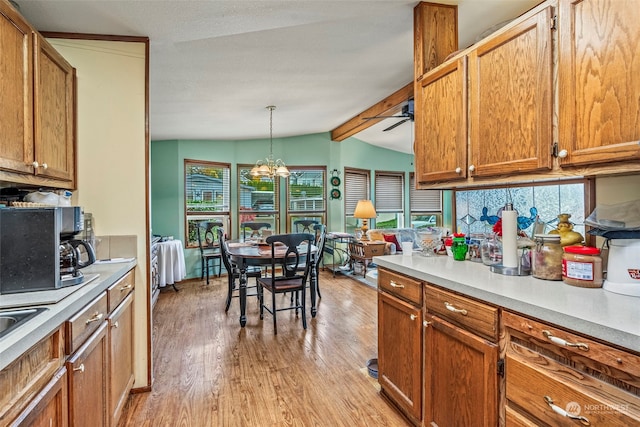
point(472, 168)
point(458, 171)
point(425, 323)
point(37, 165)
point(115, 324)
point(79, 368)
point(413, 316)
point(563, 153)
point(44, 166)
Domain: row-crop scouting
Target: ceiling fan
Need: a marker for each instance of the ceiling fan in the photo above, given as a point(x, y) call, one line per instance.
point(405, 115)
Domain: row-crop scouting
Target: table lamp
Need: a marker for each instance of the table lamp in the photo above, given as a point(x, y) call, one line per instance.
point(364, 210)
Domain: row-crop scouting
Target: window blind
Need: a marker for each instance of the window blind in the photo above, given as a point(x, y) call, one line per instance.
point(424, 200)
point(389, 192)
point(356, 186)
point(207, 187)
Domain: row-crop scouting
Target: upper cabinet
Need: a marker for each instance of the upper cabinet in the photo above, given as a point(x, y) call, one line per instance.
point(553, 94)
point(510, 99)
point(599, 81)
point(37, 112)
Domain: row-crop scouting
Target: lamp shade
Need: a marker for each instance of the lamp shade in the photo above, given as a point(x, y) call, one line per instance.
point(365, 210)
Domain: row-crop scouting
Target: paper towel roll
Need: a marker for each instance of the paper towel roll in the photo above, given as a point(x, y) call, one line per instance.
point(509, 236)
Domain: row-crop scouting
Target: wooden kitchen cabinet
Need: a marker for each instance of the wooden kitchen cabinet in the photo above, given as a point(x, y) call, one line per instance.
point(54, 142)
point(121, 375)
point(460, 366)
point(37, 111)
point(88, 381)
point(400, 342)
point(49, 407)
point(511, 99)
point(555, 377)
point(441, 124)
point(599, 81)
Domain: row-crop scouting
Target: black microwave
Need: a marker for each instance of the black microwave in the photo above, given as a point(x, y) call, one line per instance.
point(30, 246)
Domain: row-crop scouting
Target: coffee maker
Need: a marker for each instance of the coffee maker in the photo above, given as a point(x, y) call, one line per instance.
point(72, 250)
point(39, 251)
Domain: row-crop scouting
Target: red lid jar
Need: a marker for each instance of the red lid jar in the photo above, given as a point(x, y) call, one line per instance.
point(582, 266)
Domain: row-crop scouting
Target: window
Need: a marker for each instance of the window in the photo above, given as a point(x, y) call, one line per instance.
point(306, 198)
point(425, 206)
point(389, 200)
point(477, 210)
point(206, 192)
point(257, 199)
point(356, 187)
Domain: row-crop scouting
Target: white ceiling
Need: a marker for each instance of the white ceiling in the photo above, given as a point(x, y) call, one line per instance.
point(215, 65)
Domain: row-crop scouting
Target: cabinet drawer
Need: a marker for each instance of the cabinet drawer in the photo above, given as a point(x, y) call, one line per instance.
point(119, 290)
point(85, 322)
point(401, 286)
point(479, 318)
point(553, 392)
point(574, 348)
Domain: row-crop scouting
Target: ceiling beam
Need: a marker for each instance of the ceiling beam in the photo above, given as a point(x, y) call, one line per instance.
point(389, 106)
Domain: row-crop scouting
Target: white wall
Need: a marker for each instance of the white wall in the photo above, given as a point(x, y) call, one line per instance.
point(111, 154)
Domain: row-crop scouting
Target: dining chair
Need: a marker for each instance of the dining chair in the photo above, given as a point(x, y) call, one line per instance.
point(320, 231)
point(209, 247)
point(288, 252)
point(233, 272)
point(255, 228)
point(304, 225)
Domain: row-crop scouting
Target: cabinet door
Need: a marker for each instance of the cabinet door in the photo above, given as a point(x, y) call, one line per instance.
point(510, 81)
point(16, 86)
point(49, 407)
point(400, 353)
point(461, 380)
point(599, 80)
point(54, 102)
point(121, 357)
point(441, 124)
point(88, 381)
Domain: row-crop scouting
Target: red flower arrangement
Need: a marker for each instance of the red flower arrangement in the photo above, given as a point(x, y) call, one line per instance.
point(497, 228)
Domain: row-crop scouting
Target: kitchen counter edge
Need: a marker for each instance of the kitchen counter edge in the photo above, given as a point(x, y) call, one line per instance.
point(23, 338)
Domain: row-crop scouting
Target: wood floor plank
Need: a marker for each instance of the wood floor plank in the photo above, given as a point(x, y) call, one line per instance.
point(208, 371)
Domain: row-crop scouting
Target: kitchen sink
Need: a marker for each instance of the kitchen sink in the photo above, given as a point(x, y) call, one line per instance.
point(11, 319)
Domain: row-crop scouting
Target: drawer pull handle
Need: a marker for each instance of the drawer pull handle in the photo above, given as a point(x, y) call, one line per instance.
point(413, 316)
point(79, 368)
point(451, 307)
point(95, 318)
point(395, 285)
point(559, 341)
point(126, 288)
point(558, 410)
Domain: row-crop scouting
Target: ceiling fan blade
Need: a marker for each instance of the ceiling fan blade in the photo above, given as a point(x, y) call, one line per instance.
point(393, 126)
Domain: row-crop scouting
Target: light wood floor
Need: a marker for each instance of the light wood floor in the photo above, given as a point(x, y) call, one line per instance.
point(210, 372)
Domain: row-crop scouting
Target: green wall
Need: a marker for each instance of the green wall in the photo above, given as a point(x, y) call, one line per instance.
point(167, 173)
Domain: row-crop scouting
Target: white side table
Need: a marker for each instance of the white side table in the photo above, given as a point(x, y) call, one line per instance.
point(171, 265)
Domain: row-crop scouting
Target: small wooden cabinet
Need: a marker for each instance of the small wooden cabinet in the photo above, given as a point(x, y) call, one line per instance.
point(559, 378)
point(511, 99)
point(400, 342)
point(599, 81)
point(460, 361)
point(49, 407)
point(121, 375)
point(37, 112)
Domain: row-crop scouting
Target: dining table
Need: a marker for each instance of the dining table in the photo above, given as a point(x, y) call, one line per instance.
point(246, 253)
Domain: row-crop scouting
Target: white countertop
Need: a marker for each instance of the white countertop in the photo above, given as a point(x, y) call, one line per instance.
point(24, 337)
point(597, 313)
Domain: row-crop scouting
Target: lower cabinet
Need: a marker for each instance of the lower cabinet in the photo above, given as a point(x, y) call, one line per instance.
point(460, 366)
point(88, 381)
point(400, 342)
point(121, 357)
point(555, 377)
point(49, 407)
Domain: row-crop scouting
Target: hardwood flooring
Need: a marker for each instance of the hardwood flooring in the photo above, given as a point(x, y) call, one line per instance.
point(211, 372)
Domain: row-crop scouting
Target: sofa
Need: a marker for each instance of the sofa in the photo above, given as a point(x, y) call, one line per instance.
point(394, 237)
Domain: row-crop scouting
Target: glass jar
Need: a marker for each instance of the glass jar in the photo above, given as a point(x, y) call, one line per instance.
point(474, 247)
point(459, 248)
point(490, 250)
point(546, 261)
